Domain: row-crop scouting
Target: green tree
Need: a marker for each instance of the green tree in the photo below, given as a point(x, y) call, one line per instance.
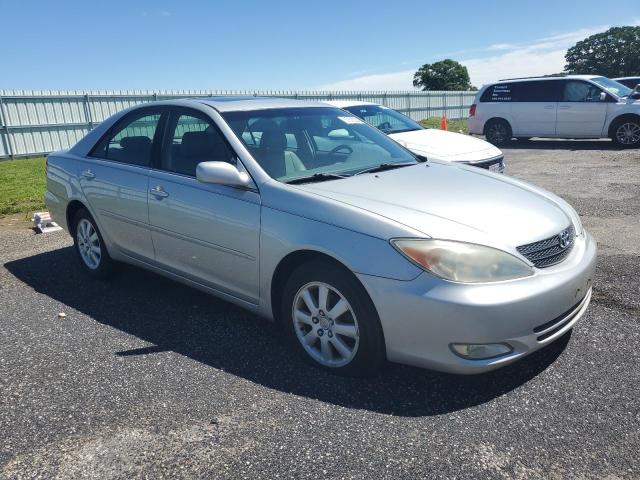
point(614, 53)
point(444, 75)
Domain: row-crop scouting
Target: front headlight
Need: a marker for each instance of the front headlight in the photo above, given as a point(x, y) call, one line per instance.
point(462, 262)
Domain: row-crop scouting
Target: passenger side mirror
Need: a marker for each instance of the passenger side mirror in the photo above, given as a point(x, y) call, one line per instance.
point(222, 173)
point(339, 133)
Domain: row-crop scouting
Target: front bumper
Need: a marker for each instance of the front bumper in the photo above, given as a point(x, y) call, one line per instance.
point(422, 317)
point(495, 164)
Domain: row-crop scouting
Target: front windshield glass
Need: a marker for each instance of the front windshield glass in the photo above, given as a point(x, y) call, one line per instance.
point(291, 143)
point(612, 86)
point(387, 120)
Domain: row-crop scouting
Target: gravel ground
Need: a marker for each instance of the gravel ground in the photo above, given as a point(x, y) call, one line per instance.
point(147, 378)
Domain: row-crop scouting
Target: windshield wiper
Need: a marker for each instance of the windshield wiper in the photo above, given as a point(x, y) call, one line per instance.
point(385, 166)
point(316, 177)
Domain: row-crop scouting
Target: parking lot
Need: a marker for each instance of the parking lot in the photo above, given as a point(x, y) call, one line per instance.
point(146, 377)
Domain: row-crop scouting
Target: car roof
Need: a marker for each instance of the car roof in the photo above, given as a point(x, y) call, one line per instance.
point(625, 78)
point(347, 103)
point(236, 103)
point(557, 77)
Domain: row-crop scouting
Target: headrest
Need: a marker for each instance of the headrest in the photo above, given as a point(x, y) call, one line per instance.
point(202, 145)
point(140, 143)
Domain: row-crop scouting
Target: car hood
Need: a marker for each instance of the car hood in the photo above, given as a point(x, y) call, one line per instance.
point(444, 145)
point(452, 201)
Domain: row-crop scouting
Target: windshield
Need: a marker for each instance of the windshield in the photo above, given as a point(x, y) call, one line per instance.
point(291, 143)
point(387, 120)
point(612, 86)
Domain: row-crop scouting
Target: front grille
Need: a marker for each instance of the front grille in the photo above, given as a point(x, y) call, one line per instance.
point(551, 250)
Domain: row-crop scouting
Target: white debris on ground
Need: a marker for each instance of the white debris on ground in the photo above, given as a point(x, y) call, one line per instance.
point(44, 224)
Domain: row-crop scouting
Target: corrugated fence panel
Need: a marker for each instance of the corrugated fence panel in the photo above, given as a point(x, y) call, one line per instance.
point(37, 122)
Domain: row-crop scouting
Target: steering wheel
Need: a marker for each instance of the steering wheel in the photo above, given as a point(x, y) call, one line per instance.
point(342, 147)
point(385, 126)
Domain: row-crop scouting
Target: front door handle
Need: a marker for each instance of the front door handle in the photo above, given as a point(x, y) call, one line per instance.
point(88, 174)
point(159, 192)
point(564, 107)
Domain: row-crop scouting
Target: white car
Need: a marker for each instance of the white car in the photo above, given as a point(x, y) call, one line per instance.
point(571, 106)
point(430, 143)
point(630, 82)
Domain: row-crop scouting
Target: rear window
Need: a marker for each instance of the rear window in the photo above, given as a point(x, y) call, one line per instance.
point(533, 91)
point(501, 92)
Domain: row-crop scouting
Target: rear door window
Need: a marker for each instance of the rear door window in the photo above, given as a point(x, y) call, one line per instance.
point(131, 140)
point(539, 91)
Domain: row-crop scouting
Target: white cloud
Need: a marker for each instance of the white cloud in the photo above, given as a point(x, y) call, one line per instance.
point(385, 81)
point(502, 60)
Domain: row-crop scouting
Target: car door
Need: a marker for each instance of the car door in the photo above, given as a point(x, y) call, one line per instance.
point(204, 232)
point(581, 111)
point(114, 179)
point(534, 108)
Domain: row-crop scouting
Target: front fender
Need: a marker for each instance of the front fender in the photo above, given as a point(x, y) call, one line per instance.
point(283, 233)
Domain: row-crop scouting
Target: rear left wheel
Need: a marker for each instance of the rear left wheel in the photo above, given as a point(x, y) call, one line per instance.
point(90, 246)
point(332, 321)
point(498, 131)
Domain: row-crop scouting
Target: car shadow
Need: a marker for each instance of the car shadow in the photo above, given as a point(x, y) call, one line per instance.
point(173, 317)
point(553, 144)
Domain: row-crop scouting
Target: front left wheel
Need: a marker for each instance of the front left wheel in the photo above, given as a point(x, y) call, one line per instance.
point(332, 321)
point(626, 133)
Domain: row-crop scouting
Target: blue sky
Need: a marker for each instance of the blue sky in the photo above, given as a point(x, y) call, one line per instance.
point(286, 44)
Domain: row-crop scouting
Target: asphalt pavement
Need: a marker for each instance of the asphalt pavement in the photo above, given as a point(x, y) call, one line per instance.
point(144, 377)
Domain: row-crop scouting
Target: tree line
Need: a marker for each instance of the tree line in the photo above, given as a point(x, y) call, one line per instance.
point(614, 53)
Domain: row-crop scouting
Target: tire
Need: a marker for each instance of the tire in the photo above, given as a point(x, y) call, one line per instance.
point(498, 131)
point(625, 132)
point(344, 337)
point(90, 246)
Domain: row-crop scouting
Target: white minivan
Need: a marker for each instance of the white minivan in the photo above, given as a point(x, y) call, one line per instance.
point(572, 106)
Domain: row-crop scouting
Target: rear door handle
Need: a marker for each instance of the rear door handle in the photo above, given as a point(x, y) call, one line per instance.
point(549, 107)
point(159, 192)
point(88, 174)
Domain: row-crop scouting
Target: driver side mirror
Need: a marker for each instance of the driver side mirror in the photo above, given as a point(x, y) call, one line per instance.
point(222, 173)
point(603, 97)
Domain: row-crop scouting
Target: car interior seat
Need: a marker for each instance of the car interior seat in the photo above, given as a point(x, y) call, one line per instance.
point(274, 156)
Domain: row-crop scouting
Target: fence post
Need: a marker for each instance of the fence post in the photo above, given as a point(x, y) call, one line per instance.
point(6, 138)
point(87, 112)
point(445, 110)
point(409, 105)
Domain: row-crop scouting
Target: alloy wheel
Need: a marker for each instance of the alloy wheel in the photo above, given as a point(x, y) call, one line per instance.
point(325, 324)
point(628, 133)
point(497, 133)
point(88, 244)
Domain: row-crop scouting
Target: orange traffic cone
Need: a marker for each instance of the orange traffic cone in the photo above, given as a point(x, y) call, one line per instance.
point(443, 123)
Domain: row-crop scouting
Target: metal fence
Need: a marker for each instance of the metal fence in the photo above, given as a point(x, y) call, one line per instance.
point(39, 122)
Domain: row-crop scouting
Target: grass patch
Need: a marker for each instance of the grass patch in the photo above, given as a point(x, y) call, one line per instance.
point(458, 126)
point(22, 186)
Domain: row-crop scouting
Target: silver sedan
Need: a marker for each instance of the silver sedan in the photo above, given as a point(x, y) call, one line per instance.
point(302, 213)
